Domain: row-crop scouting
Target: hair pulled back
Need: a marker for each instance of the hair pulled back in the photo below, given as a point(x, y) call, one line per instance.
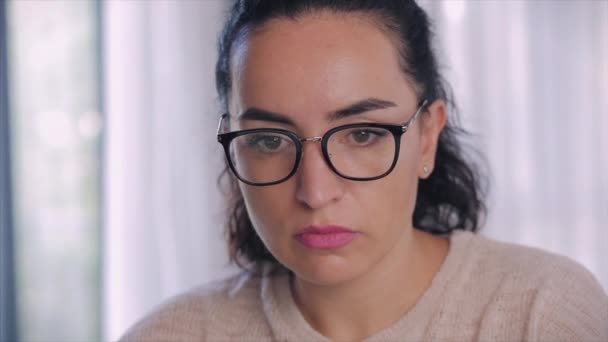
point(451, 198)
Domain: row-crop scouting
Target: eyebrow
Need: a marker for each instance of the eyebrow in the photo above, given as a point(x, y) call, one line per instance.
point(258, 114)
point(356, 108)
point(360, 107)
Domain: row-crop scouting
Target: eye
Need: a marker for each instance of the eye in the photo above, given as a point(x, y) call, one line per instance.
point(266, 143)
point(361, 136)
point(365, 136)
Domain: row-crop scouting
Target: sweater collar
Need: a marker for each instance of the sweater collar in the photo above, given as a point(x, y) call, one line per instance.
point(288, 323)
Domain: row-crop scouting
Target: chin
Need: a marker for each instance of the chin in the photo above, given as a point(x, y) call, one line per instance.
point(326, 270)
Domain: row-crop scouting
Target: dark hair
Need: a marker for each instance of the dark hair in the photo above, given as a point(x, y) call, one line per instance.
point(451, 198)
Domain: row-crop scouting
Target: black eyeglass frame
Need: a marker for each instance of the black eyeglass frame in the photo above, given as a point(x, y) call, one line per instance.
point(397, 130)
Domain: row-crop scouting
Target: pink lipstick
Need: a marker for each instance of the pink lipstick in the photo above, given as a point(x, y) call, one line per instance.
point(325, 237)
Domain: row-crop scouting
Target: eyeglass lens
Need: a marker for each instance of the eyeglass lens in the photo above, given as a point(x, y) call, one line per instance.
point(265, 157)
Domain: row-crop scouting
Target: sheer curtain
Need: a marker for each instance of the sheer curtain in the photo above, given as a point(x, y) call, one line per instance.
point(530, 78)
point(163, 211)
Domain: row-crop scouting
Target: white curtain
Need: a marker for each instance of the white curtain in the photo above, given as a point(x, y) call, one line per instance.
point(531, 80)
point(530, 77)
point(163, 212)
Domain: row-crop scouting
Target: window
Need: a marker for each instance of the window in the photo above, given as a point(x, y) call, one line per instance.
point(54, 97)
point(7, 301)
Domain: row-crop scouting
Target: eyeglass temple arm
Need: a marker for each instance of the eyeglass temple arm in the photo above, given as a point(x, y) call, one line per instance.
point(222, 124)
point(415, 116)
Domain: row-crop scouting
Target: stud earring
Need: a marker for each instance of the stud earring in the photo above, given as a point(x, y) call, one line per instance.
point(425, 168)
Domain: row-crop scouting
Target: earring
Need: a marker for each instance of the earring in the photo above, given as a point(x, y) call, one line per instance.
point(425, 168)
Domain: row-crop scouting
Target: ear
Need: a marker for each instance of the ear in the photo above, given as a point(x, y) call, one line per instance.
point(431, 125)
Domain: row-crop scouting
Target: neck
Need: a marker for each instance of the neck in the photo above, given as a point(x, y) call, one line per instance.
point(374, 301)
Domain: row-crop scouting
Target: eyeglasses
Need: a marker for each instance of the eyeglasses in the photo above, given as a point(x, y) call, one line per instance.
point(268, 156)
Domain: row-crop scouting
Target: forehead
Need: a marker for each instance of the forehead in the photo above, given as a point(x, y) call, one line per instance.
point(316, 64)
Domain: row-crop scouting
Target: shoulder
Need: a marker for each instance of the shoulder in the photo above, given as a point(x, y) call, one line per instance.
point(560, 299)
point(536, 265)
point(532, 267)
point(221, 305)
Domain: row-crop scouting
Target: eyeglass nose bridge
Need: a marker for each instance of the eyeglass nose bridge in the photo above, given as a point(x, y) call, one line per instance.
point(311, 139)
point(326, 154)
point(317, 139)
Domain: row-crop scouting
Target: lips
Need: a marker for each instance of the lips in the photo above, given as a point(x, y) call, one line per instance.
point(325, 237)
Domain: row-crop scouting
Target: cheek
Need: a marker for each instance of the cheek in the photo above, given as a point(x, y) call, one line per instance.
point(270, 209)
point(266, 205)
point(399, 188)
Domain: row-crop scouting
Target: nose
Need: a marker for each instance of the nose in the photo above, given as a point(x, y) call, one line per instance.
point(317, 184)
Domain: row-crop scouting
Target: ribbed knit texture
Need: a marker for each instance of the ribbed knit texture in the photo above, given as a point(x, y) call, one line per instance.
point(484, 291)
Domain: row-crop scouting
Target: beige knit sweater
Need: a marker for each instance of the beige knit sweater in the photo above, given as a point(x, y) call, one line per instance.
point(484, 291)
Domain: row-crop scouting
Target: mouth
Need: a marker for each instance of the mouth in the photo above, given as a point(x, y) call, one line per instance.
point(325, 237)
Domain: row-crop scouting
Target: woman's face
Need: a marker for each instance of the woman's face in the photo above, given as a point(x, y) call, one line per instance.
point(303, 70)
